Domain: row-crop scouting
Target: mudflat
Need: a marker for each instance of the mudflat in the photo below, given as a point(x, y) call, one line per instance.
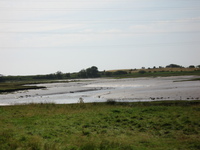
point(102, 89)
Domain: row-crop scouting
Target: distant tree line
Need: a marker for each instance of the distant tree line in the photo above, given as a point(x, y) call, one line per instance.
point(91, 72)
point(179, 66)
point(57, 75)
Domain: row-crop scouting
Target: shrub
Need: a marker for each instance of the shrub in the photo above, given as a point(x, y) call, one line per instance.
point(120, 72)
point(108, 74)
point(142, 71)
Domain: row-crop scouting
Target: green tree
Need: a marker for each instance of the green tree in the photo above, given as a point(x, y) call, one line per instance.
point(67, 75)
point(92, 72)
point(174, 66)
point(1, 78)
point(59, 75)
point(82, 74)
point(191, 66)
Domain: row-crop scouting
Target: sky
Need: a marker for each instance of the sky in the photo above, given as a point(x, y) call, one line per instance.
point(46, 36)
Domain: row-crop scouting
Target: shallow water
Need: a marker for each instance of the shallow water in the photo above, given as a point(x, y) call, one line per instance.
point(100, 90)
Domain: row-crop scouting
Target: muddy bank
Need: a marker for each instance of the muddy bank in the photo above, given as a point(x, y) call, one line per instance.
point(100, 90)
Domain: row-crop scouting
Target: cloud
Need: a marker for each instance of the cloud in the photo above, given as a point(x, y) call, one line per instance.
point(42, 24)
point(169, 26)
point(185, 20)
point(39, 27)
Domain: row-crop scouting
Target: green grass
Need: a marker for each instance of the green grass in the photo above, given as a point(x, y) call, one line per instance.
point(98, 126)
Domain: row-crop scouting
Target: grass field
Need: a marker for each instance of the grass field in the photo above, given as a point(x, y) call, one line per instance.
point(98, 126)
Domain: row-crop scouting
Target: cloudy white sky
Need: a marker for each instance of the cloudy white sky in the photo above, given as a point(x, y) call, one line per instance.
point(45, 36)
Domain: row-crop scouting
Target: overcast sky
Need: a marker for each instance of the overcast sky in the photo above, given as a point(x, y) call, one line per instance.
point(45, 36)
